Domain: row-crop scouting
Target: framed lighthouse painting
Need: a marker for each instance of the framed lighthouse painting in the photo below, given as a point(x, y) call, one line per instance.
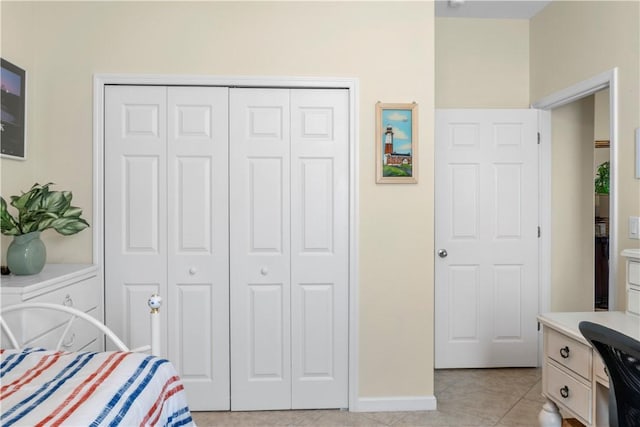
point(397, 143)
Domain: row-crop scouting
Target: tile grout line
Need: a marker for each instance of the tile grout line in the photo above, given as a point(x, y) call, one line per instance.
point(522, 397)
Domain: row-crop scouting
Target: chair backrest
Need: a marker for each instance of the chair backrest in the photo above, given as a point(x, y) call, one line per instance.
point(621, 356)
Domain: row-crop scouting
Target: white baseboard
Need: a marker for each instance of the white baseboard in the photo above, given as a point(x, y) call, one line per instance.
point(400, 403)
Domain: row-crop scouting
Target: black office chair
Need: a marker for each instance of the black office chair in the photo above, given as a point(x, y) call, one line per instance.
point(621, 356)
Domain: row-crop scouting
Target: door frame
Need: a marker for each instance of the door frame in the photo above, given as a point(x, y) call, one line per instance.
point(350, 84)
point(607, 79)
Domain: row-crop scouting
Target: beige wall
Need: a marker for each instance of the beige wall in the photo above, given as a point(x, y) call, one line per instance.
point(574, 40)
point(482, 63)
point(572, 261)
point(388, 46)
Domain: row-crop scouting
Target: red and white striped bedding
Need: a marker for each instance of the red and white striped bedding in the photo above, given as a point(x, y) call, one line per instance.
point(51, 388)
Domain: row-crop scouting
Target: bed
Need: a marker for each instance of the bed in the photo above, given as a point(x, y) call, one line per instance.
point(51, 387)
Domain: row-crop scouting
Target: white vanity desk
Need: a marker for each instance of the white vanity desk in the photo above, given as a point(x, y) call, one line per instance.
point(573, 375)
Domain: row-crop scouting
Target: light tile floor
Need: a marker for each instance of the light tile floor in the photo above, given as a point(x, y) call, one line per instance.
point(466, 397)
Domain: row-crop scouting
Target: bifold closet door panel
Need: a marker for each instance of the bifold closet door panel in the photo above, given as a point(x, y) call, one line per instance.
point(166, 227)
point(135, 179)
point(260, 249)
point(319, 248)
point(197, 302)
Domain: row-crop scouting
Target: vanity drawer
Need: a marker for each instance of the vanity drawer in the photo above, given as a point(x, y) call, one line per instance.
point(568, 391)
point(633, 275)
point(633, 300)
point(568, 352)
point(599, 370)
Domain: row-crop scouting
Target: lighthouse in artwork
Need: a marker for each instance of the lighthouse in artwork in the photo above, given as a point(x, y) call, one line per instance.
point(388, 143)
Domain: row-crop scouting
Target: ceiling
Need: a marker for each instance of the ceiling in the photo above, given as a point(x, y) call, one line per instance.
point(505, 9)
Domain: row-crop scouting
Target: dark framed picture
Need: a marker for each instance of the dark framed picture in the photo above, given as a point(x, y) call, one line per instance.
point(13, 99)
point(397, 143)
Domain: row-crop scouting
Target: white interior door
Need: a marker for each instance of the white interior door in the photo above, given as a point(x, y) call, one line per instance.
point(166, 216)
point(487, 222)
point(289, 248)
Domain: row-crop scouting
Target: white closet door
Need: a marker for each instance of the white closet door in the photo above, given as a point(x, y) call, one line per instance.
point(319, 248)
point(198, 243)
point(289, 248)
point(135, 208)
point(260, 249)
point(166, 217)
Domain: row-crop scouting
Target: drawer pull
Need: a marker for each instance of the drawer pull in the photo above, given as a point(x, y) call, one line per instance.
point(564, 352)
point(68, 301)
point(564, 392)
point(69, 343)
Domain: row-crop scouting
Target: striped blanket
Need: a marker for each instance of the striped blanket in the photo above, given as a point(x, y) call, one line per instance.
point(51, 388)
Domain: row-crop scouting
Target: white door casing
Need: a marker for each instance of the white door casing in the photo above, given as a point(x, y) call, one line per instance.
point(351, 85)
point(166, 216)
point(289, 248)
point(487, 221)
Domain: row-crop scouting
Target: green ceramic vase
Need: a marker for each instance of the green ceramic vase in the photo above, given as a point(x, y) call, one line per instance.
point(26, 254)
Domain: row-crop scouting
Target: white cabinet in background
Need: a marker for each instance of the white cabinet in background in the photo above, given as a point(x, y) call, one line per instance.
point(633, 280)
point(74, 285)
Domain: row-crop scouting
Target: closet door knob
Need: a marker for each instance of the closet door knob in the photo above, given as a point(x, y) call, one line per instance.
point(264, 271)
point(193, 271)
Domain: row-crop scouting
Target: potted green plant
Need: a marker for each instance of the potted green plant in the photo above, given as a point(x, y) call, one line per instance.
point(601, 188)
point(602, 179)
point(37, 210)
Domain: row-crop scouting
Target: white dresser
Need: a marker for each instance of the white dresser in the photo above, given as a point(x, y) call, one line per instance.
point(74, 285)
point(573, 375)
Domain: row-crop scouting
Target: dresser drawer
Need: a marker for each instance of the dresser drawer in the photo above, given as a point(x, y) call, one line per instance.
point(568, 352)
point(83, 295)
point(80, 335)
point(568, 391)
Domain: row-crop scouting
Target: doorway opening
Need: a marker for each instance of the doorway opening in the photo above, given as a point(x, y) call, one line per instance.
point(548, 249)
point(601, 172)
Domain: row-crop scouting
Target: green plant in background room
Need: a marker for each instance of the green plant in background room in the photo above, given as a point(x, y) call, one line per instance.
point(37, 210)
point(602, 179)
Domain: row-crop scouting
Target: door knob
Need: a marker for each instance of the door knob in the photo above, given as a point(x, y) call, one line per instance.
point(442, 253)
point(264, 271)
point(193, 271)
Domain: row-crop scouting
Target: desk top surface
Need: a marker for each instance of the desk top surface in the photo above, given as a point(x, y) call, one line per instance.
point(567, 322)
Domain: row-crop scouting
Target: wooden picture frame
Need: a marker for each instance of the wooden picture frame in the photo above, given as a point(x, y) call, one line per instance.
point(13, 83)
point(396, 143)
